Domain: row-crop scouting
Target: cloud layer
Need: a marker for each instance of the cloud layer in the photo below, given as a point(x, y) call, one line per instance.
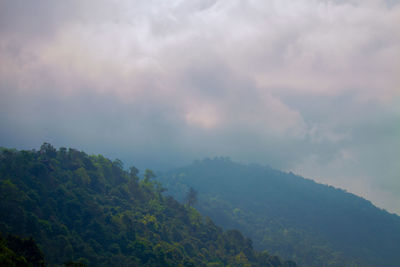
point(310, 86)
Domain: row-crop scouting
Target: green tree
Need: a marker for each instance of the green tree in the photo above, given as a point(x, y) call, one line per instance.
point(148, 175)
point(191, 197)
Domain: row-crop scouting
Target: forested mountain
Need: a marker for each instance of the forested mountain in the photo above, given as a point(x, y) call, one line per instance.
point(294, 217)
point(89, 210)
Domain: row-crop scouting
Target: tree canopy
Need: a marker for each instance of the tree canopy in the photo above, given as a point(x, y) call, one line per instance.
point(87, 210)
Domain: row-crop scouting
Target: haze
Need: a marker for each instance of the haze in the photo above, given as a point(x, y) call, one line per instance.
point(308, 86)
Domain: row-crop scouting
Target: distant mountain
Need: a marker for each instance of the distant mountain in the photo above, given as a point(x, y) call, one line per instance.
point(87, 210)
point(288, 215)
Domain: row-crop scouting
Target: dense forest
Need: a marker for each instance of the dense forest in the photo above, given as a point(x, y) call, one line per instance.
point(86, 210)
point(15, 251)
point(288, 215)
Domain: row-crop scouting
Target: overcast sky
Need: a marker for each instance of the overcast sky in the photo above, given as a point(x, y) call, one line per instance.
point(309, 86)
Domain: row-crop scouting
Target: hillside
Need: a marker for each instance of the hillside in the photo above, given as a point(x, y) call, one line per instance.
point(294, 217)
point(88, 209)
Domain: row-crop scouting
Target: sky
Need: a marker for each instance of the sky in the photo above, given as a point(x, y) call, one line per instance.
point(308, 86)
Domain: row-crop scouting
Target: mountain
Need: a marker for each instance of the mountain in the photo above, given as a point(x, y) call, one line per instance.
point(87, 210)
point(288, 215)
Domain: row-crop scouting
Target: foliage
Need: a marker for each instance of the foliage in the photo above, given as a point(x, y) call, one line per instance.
point(15, 251)
point(293, 217)
point(87, 210)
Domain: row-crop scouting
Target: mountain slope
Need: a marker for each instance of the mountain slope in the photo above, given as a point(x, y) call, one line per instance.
point(88, 209)
point(314, 224)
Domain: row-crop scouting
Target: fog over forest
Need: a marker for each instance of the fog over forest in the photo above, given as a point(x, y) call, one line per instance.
point(308, 86)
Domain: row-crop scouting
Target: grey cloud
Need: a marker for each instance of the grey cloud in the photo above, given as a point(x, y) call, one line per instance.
point(34, 19)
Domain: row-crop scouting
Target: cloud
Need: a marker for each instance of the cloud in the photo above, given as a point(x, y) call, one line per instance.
point(310, 86)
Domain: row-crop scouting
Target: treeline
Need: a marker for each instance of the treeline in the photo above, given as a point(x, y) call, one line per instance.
point(87, 209)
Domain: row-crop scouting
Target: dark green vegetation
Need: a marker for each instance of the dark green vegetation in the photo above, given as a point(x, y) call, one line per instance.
point(89, 210)
point(293, 217)
point(15, 251)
